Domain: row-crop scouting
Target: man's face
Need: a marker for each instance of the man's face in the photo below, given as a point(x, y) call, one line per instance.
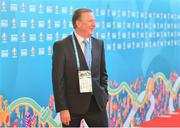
point(86, 24)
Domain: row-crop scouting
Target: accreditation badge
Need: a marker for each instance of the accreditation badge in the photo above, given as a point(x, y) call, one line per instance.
point(85, 81)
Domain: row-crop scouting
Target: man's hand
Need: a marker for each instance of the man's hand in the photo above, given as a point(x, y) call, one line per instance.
point(65, 117)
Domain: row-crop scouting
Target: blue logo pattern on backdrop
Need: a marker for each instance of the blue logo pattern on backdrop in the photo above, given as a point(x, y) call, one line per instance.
point(141, 39)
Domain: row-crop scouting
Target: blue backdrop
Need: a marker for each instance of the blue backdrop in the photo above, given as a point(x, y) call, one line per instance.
point(142, 38)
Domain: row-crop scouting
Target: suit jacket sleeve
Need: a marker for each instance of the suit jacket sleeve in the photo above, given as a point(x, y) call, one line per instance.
point(58, 61)
point(103, 72)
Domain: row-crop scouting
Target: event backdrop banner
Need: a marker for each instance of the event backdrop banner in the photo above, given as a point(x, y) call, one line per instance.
point(142, 43)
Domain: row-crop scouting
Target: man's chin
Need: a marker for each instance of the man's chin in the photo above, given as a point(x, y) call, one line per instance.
point(91, 34)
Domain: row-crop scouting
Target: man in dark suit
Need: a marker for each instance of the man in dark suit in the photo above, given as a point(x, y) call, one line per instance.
point(79, 74)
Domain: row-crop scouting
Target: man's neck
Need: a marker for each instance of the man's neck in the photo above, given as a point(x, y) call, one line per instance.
point(82, 35)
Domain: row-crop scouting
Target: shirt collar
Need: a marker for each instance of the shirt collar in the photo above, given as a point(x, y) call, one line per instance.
point(79, 38)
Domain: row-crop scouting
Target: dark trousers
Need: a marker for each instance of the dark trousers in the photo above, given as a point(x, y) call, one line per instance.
point(94, 117)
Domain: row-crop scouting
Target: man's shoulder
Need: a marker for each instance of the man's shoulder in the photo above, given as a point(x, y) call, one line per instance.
point(64, 41)
point(97, 40)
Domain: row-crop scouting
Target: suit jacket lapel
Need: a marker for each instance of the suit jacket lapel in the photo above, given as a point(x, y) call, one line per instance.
point(95, 54)
point(83, 64)
point(73, 51)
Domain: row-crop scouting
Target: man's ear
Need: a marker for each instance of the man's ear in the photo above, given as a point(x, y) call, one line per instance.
point(78, 23)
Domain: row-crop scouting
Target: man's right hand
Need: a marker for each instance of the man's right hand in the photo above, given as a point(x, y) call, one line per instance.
point(65, 117)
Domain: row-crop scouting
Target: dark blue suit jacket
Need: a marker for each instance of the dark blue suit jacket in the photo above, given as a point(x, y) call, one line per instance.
point(65, 76)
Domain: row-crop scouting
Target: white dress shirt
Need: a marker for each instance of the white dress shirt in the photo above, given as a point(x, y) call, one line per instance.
point(80, 40)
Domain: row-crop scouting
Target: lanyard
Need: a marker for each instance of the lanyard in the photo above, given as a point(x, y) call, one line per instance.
point(76, 52)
